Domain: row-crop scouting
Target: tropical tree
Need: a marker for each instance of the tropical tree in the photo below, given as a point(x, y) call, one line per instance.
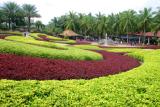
point(156, 21)
point(101, 25)
point(39, 25)
point(10, 9)
point(86, 24)
point(128, 21)
point(71, 21)
point(116, 25)
point(30, 11)
point(146, 16)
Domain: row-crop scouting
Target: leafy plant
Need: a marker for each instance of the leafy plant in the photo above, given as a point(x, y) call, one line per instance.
point(37, 51)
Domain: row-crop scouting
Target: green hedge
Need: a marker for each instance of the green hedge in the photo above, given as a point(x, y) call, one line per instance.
point(139, 87)
point(53, 38)
point(30, 40)
point(12, 32)
point(37, 51)
point(90, 47)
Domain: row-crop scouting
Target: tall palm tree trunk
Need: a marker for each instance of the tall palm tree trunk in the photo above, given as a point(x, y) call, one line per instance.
point(127, 35)
point(29, 23)
point(144, 39)
point(9, 22)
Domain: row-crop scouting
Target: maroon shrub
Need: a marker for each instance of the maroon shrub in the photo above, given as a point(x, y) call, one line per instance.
point(44, 38)
point(2, 36)
point(82, 42)
point(23, 68)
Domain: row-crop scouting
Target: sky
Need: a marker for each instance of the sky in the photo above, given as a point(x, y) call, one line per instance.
point(48, 9)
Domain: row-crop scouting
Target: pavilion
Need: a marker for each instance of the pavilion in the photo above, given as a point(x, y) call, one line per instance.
point(140, 37)
point(70, 34)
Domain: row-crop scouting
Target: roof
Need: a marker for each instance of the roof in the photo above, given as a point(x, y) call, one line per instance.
point(158, 34)
point(149, 34)
point(69, 33)
point(139, 33)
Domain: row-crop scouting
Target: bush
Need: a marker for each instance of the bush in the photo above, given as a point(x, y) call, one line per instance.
point(12, 33)
point(61, 69)
point(45, 37)
point(137, 87)
point(43, 52)
point(158, 41)
point(30, 40)
point(90, 47)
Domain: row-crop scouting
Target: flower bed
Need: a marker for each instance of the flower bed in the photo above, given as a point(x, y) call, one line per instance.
point(82, 42)
point(23, 68)
point(2, 36)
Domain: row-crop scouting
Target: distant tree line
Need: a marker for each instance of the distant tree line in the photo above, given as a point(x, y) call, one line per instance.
point(98, 25)
point(13, 16)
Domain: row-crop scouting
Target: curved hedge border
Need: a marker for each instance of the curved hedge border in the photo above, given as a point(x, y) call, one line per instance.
point(137, 87)
point(43, 69)
point(30, 40)
point(43, 52)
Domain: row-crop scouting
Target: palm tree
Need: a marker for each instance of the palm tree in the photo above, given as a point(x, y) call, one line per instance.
point(10, 9)
point(128, 21)
point(111, 22)
point(146, 16)
point(39, 25)
point(101, 25)
point(2, 17)
point(116, 24)
point(86, 24)
point(156, 21)
point(30, 11)
point(71, 21)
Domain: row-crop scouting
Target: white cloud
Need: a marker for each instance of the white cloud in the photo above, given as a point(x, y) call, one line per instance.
point(53, 8)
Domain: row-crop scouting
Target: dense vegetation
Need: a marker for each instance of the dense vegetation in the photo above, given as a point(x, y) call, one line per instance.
point(137, 87)
point(98, 25)
point(30, 50)
point(41, 54)
point(28, 68)
point(31, 40)
point(12, 16)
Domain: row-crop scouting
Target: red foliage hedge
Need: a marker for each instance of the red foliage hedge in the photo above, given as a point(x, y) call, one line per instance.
point(2, 36)
point(23, 68)
point(82, 42)
point(44, 38)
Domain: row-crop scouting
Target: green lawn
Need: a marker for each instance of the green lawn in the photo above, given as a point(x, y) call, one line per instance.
point(138, 87)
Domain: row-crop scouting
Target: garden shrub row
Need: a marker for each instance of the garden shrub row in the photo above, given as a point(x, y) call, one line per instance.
point(44, 69)
point(30, 40)
point(12, 33)
point(137, 87)
point(89, 47)
point(45, 37)
point(37, 51)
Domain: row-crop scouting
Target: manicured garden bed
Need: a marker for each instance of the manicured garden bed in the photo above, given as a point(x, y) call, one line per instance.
point(137, 87)
point(30, 40)
point(37, 51)
point(44, 69)
point(20, 61)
